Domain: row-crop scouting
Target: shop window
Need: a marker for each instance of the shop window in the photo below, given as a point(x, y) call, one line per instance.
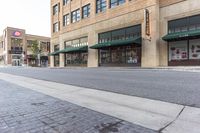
point(76, 58)
point(68, 44)
point(194, 49)
point(118, 55)
point(179, 25)
point(184, 24)
point(105, 56)
point(194, 22)
point(105, 37)
point(118, 34)
point(178, 51)
point(84, 41)
point(133, 55)
point(75, 43)
point(56, 60)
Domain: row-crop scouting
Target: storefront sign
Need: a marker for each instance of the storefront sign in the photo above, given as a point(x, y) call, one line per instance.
point(16, 34)
point(147, 22)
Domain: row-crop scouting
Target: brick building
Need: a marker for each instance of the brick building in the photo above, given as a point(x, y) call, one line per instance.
point(15, 48)
point(146, 33)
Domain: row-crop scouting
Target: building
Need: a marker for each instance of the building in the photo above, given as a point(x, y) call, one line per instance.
point(16, 48)
point(146, 33)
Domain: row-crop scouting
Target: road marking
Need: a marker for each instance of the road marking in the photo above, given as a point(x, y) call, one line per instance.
point(148, 113)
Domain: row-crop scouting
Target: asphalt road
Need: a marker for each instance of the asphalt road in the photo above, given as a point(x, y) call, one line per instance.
point(165, 85)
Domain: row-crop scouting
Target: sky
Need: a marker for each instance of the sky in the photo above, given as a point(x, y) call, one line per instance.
point(31, 15)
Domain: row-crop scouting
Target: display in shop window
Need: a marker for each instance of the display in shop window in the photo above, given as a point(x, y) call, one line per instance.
point(195, 49)
point(178, 53)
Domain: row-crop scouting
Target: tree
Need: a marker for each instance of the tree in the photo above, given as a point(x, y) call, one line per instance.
point(35, 48)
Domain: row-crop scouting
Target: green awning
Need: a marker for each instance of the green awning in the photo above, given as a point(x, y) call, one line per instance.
point(137, 40)
point(54, 53)
point(181, 35)
point(75, 49)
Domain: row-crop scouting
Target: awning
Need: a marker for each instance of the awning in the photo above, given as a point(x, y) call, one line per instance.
point(136, 40)
point(75, 49)
point(181, 35)
point(54, 53)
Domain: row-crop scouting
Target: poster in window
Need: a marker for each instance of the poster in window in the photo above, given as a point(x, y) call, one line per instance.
point(195, 49)
point(178, 51)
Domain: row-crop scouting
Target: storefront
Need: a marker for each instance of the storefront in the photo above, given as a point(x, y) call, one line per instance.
point(121, 47)
point(184, 41)
point(17, 52)
point(56, 56)
point(76, 52)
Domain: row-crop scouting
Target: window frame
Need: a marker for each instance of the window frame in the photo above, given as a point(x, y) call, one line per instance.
point(116, 3)
point(66, 20)
point(99, 6)
point(88, 11)
point(77, 14)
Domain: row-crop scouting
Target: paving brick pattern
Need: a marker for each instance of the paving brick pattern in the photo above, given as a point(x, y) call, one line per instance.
point(26, 111)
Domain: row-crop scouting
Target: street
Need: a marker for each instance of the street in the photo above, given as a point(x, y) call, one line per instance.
point(98, 100)
point(169, 86)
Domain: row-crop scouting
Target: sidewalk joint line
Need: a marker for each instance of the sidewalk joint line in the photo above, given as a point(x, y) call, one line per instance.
point(160, 131)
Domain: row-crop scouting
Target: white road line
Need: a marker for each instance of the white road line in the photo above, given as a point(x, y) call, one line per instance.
point(148, 113)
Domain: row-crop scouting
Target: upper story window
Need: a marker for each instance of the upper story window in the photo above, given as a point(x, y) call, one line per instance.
point(75, 16)
point(114, 3)
point(66, 20)
point(100, 5)
point(184, 24)
point(56, 27)
point(65, 2)
point(86, 11)
point(56, 47)
point(55, 9)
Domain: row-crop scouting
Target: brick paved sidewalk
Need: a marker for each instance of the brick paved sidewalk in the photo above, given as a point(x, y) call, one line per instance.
point(23, 110)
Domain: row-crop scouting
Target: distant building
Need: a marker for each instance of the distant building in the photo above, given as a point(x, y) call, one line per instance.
point(146, 33)
point(15, 48)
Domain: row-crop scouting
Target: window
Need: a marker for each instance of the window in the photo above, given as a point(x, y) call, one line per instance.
point(66, 20)
point(55, 9)
point(194, 49)
point(114, 3)
point(184, 24)
point(100, 6)
point(130, 55)
point(56, 48)
point(86, 11)
point(120, 34)
point(65, 2)
point(56, 27)
point(75, 16)
point(178, 51)
point(77, 42)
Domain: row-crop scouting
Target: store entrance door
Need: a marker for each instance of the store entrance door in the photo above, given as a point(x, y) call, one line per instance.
point(16, 62)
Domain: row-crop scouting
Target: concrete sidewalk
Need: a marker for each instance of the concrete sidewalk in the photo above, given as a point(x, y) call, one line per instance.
point(160, 116)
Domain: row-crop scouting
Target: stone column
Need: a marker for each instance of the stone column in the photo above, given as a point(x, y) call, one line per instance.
point(92, 53)
point(150, 48)
point(62, 57)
